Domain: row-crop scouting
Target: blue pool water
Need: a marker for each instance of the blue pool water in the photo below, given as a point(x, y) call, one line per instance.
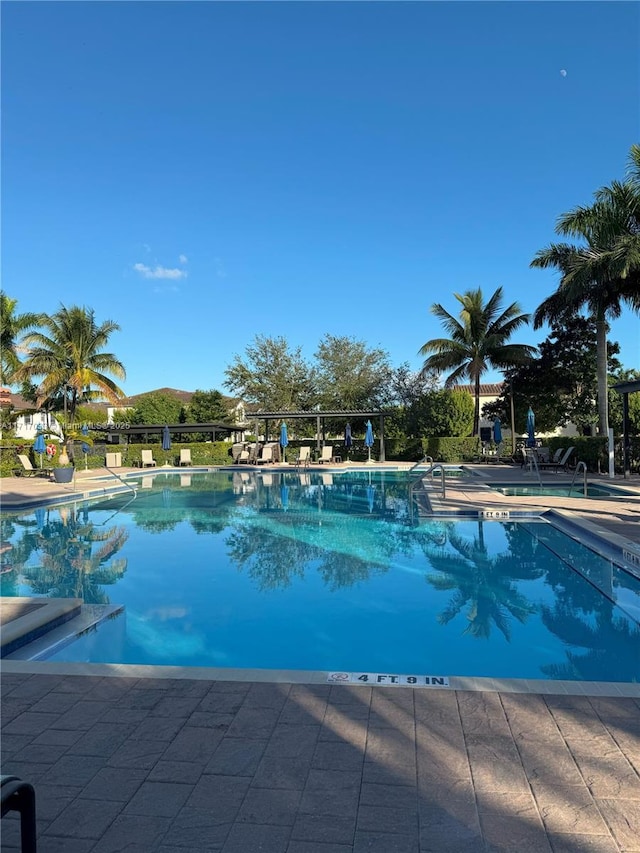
point(597, 490)
point(328, 572)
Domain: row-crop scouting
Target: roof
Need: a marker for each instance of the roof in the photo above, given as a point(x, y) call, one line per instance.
point(183, 396)
point(627, 387)
point(333, 413)
point(487, 389)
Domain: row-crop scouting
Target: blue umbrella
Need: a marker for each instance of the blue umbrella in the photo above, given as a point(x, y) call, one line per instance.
point(284, 497)
point(497, 431)
point(531, 428)
point(368, 439)
point(166, 438)
point(39, 516)
point(348, 441)
point(38, 445)
point(284, 440)
point(85, 446)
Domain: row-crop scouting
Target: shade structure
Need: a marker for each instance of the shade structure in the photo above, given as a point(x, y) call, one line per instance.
point(531, 428)
point(368, 439)
point(284, 440)
point(85, 446)
point(497, 431)
point(166, 438)
point(39, 446)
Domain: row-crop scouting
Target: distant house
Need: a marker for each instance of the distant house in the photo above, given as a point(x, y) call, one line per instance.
point(235, 407)
point(28, 422)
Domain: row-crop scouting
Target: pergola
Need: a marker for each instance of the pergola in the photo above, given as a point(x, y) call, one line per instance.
point(626, 388)
point(347, 415)
point(114, 432)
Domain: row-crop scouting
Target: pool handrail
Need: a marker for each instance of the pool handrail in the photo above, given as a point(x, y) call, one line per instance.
point(531, 458)
point(421, 462)
point(430, 470)
point(575, 474)
point(124, 482)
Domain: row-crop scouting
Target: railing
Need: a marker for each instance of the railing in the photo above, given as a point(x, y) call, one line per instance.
point(436, 467)
point(531, 459)
point(124, 482)
point(575, 474)
point(421, 462)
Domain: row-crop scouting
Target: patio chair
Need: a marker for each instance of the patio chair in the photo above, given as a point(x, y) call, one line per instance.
point(243, 456)
point(147, 460)
point(304, 455)
point(326, 454)
point(28, 469)
point(266, 455)
point(185, 456)
point(563, 462)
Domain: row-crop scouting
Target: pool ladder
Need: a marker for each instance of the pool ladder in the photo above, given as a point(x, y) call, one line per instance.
point(580, 465)
point(414, 483)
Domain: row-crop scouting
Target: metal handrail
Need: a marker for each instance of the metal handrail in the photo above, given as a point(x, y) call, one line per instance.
point(436, 467)
point(532, 461)
point(421, 462)
point(575, 474)
point(124, 482)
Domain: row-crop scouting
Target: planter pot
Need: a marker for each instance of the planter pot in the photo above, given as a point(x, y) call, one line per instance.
point(63, 475)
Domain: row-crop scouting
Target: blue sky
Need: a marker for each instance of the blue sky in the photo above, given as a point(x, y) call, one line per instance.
point(205, 172)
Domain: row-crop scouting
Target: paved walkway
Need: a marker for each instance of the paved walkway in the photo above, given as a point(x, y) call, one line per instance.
point(140, 765)
point(173, 765)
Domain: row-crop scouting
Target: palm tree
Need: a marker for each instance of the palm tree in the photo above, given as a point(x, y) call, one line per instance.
point(602, 273)
point(68, 356)
point(478, 341)
point(12, 326)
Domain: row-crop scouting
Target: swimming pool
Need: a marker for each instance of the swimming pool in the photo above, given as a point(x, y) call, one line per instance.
point(320, 571)
point(563, 490)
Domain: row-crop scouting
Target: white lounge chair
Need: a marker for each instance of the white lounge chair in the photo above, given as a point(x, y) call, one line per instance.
point(266, 455)
point(243, 456)
point(185, 456)
point(29, 470)
point(304, 455)
point(326, 455)
point(147, 460)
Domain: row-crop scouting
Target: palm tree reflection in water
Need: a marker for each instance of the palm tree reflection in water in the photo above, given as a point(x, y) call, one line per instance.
point(484, 584)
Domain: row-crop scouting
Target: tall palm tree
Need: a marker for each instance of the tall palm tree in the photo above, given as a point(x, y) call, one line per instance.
point(12, 327)
point(68, 356)
point(603, 272)
point(479, 340)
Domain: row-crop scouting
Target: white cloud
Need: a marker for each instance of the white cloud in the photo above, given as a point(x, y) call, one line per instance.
point(159, 271)
point(183, 259)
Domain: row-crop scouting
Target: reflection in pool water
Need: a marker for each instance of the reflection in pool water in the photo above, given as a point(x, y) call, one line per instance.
point(325, 571)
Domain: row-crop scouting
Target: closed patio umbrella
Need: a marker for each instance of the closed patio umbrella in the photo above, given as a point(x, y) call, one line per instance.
point(348, 440)
point(497, 431)
point(284, 441)
point(166, 438)
point(531, 428)
point(284, 497)
point(368, 439)
point(38, 445)
point(85, 446)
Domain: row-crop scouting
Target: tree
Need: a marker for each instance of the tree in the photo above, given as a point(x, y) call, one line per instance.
point(271, 376)
point(479, 340)
point(68, 356)
point(207, 407)
point(350, 375)
point(602, 272)
point(560, 384)
point(12, 327)
point(156, 409)
point(442, 413)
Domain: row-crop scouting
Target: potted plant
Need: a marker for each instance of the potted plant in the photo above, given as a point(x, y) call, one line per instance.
point(64, 470)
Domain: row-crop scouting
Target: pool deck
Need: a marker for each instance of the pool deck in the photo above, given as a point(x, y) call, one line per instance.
point(141, 763)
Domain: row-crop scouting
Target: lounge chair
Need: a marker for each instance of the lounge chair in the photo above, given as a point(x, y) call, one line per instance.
point(557, 463)
point(266, 455)
point(244, 456)
point(185, 456)
point(147, 460)
point(304, 455)
point(326, 455)
point(28, 469)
